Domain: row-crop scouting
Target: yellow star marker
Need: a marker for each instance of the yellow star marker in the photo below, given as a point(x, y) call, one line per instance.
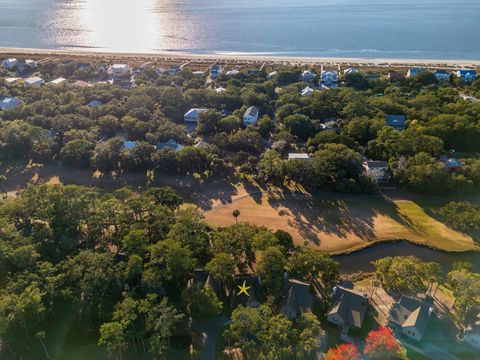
point(243, 289)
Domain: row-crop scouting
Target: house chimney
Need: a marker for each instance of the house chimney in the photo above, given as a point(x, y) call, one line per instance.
point(430, 312)
point(334, 290)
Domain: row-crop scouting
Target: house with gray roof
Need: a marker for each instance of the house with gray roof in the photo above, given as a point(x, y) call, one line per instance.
point(348, 308)
point(251, 116)
point(377, 171)
point(398, 122)
point(202, 279)
point(170, 144)
point(451, 164)
point(9, 103)
point(297, 298)
point(411, 316)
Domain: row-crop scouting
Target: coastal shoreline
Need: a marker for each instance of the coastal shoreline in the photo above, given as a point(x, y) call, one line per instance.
point(234, 59)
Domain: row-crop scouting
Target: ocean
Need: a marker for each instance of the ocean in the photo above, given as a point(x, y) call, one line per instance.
point(405, 29)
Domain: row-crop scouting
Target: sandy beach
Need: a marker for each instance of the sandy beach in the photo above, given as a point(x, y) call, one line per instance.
point(234, 59)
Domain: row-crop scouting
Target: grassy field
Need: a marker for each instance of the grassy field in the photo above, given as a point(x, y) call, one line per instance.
point(340, 223)
point(329, 221)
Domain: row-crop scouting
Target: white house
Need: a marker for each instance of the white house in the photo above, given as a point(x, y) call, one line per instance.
point(469, 98)
point(298, 156)
point(119, 70)
point(9, 103)
point(329, 77)
point(350, 71)
point(232, 72)
point(308, 76)
point(192, 114)
point(9, 63)
point(251, 116)
point(220, 89)
point(272, 75)
point(12, 80)
point(57, 81)
point(33, 81)
point(308, 91)
point(377, 171)
point(198, 73)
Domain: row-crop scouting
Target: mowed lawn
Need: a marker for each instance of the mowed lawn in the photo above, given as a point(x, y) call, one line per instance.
point(339, 223)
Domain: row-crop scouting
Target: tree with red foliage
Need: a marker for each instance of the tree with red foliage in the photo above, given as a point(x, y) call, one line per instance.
point(381, 344)
point(343, 352)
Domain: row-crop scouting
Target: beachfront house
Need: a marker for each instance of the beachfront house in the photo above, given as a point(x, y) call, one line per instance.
point(414, 71)
point(119, 70)
point(442, 75)
point(394, 76)
point(298, 156)
point(467, 75)
point(377, 171)
point(297, 298)
point(170, 144)
point(308, 91)
point(26, 65)
point(398, 122)
point(350, 71)
point(57, 81)
point(9, 103)
point(33, 81)
point(329, 78)
point(308, 76)
point(348, 309)
point(192, 114)
point(9, 64)
point(411, 316)
point(451, 164)
point(251, 116)
point(372, 76)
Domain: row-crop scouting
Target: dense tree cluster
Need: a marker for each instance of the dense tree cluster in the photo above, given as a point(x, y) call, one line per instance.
point(118, 264)
point(55, 123)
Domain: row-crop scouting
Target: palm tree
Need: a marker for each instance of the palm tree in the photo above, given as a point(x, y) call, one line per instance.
point(236, 214)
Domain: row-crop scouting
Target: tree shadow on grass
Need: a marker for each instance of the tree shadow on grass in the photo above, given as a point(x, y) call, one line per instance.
point(334, 214)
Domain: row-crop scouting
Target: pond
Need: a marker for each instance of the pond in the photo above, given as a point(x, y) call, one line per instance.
point(362, 260)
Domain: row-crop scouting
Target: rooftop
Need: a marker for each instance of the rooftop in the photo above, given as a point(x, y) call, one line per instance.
point(412, 311)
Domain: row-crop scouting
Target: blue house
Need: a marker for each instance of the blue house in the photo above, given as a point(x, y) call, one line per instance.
point(414, 71)
point(467, 75)
point(398, 122)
